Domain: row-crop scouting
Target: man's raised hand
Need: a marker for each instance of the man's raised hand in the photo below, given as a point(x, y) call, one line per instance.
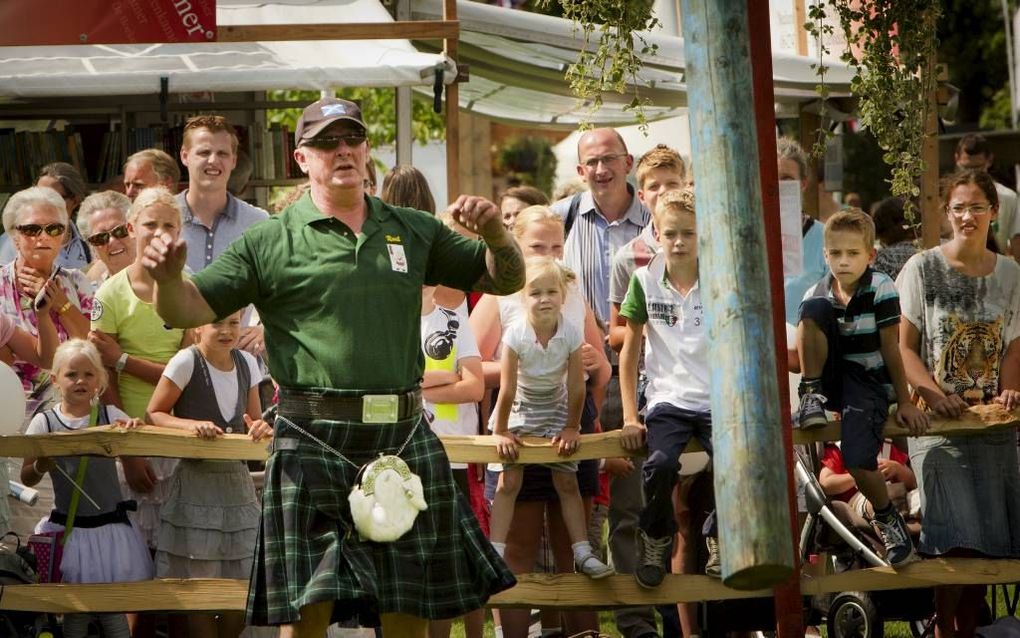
point(164, 258)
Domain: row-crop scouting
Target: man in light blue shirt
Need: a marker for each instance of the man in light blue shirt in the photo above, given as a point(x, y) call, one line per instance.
point(213, 218)
point(602, 219)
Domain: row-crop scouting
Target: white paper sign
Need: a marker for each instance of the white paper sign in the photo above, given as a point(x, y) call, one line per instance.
point(790, 216)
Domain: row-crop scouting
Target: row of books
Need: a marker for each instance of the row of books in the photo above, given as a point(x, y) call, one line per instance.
point(23, 153)
point(101, 157)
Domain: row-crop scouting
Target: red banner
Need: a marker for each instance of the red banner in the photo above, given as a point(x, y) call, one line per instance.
point(107, 22)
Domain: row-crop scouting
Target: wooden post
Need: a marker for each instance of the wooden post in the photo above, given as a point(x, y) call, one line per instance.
point(452, 113)
point(799, 18)
point(750, 482)
point(931, 207)
point(475, 156)
point(787, 600)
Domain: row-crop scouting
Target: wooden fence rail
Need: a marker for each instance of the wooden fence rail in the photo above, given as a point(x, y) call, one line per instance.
point(155, 441)
point(569, 591)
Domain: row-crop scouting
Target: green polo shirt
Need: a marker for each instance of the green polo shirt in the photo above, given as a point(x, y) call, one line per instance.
point(341, 310)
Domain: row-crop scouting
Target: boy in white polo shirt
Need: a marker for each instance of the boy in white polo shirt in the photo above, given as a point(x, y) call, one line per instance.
point(663, 305)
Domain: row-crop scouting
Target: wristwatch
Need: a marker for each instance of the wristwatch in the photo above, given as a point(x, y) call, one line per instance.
point(121, 362)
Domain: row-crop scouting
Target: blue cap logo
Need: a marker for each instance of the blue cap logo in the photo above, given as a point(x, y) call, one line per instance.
point(333, 109)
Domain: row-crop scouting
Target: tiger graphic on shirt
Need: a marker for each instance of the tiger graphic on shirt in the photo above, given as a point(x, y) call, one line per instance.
point(969, 364)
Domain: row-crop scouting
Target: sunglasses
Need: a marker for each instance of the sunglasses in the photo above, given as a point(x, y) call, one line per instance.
point(33, 230)
point(102, 239)
point(330, 142)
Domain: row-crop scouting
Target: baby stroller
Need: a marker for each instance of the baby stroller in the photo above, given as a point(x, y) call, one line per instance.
point(830, 527)
point(18, 567)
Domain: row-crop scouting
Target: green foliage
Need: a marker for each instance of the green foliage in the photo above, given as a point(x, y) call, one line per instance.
point(995, 114)
point(528, 160)
point(378, 106)
point(865, 172)
point(894, 41)
point(608, 58)
point(972, 45)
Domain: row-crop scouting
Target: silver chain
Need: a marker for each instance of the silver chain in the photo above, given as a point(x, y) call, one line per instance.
point(332, 450)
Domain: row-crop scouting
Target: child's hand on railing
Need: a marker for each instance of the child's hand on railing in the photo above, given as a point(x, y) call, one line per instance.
point(507, 445)
point(128, 424)
point(1009, 399)
point(206, 429)
point(258, 429)
point(567, 441)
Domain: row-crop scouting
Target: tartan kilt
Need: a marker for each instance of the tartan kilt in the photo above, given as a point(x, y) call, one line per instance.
point(308, 550)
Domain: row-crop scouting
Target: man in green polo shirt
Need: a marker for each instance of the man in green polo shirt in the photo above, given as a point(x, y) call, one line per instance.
point(337, 279)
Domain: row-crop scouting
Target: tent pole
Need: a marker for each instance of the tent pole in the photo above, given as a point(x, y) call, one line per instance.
point(452, 113)
point(931, 209)
point(404, 141)
point(787, 600)
point(750, 477)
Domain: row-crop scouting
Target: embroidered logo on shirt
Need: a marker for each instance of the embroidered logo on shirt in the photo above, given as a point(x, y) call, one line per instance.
point(393, 239)
point(664, 313)
point(97, 310)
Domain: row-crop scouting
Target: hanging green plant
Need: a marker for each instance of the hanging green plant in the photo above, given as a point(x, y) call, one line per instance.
point(890, 45)
point(611, 52)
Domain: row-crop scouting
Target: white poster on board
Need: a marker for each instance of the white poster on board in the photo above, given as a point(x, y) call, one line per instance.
point(790, 220)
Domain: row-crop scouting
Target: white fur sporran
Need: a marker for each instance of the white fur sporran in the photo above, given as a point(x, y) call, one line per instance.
point(387, 499)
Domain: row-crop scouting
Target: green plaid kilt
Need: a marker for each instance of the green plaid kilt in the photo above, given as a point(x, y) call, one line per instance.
point(308, 550)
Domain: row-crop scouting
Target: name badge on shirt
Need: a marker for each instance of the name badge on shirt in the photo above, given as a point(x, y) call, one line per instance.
point(398, 262)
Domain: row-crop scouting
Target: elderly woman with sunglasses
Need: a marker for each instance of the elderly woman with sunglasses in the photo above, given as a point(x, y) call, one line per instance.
point(67, 182)
point(103, 222)
point(36, 221)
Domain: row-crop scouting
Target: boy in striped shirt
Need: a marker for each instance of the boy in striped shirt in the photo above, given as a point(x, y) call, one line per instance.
point(848, 339)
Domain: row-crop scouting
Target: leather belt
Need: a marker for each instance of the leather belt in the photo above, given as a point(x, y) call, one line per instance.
point(310, 404)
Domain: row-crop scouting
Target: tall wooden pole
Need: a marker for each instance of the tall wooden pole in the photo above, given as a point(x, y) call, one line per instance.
point(452, 113)
point(750, 477)
point(787, 600)
point(931, 208)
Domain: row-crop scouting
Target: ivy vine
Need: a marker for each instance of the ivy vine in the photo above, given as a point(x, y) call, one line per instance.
point(610, 55)
point(890, 44)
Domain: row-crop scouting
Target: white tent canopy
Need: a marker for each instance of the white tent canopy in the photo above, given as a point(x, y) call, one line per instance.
point(91, 70)
point(517, 62)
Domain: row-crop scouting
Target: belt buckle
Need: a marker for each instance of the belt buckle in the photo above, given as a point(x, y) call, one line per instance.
point(380, 408)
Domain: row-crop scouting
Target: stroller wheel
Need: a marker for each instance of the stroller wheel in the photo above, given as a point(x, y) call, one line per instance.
point(853, 615)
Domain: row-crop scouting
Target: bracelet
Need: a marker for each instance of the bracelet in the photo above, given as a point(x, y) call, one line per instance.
point(64, 308)
point(121, 362)
point(35, 468)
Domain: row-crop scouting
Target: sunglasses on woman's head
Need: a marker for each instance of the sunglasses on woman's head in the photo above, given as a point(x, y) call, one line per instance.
point(33, 230)
point(102, 239)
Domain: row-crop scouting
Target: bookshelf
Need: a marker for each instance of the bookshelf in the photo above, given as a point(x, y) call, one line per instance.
point(96, 135)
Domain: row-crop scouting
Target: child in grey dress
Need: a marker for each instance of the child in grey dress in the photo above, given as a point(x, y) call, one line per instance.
point(209, 522)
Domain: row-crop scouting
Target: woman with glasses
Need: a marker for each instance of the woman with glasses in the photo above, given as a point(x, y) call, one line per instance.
point(36, 221)
point(102, 221)
point(960, 340)
point(67, 182)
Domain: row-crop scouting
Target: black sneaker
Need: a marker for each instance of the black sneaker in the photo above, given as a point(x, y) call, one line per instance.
point(812, 411)
point(713, 567)
point(652, 554)
point(899, 549)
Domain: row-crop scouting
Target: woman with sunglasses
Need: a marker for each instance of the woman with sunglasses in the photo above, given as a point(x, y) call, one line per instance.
point(960, 340)
point(102, 221)
point(37, 222)
point(67, 182)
